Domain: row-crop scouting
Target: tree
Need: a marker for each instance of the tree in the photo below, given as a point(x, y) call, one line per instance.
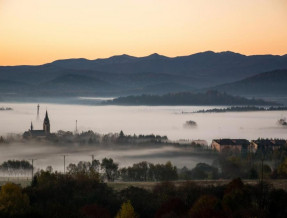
point(164, 191)
point(110, 168)
point(282, 169)
point(72, 168)
point(143, 201)
point(49, 169)
point(83, 170)
point(236, 198)
point(126, 211)
point(139, 171)
point(122, 135)
point(12, 201)
point(2, 139)
point(204, 171)
point(84, 166)
point(206, 206)
point(277, 204)
point(174, 207)
point(162, 172)
point(96, 165)
point(170, 172)
point(95, 211)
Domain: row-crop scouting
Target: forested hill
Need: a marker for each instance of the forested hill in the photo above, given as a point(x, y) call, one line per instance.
point(267, 84)
point(188, 98)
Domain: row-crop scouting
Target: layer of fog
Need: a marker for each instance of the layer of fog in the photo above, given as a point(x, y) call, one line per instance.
point(161, 120)
point(52, 155)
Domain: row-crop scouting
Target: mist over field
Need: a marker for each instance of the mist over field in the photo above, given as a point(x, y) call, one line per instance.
point(52, 155)
point(160, 120)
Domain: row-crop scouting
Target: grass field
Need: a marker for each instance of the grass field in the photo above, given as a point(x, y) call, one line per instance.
point(278, 184)
point(23, 181)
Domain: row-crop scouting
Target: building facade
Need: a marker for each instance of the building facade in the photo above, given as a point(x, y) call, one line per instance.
point(231, 145)
point(31, 133)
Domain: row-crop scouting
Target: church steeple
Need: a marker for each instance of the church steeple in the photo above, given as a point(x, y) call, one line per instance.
point(31, 128)
point(46, 124)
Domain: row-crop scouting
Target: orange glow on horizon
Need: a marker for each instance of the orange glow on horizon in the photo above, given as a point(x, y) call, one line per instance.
point(37, 31)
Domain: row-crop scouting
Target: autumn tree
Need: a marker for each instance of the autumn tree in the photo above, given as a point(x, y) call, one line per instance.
point(206, 206)
point(236, 198)
point(95, 211)
point(12, 201)
point(282, 169)
point(126, 211)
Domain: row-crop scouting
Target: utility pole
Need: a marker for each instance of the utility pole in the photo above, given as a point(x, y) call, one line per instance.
point(64, 163)
point(92, 158)
point(38, 108)
point(32, 160)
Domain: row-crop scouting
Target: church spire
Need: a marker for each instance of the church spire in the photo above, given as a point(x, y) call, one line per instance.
point(46, 124)
point(46, 117)
point(31, 128)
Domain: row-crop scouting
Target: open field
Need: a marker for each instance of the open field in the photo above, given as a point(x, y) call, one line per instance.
point(23, 181)
point(278, 184)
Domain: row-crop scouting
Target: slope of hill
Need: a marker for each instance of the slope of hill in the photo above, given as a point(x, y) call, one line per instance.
point(12, 86)
point(187, 98)
point(76, 85)
point(265, 84)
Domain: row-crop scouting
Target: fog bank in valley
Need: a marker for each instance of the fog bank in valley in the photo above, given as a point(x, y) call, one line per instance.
point(161, 120)
point(52, 155)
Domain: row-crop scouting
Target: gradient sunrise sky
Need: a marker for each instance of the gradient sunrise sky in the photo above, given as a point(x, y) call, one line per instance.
point(40, 31)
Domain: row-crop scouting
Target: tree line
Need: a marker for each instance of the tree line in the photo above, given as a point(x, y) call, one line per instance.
point(225, 166)
point(211, 97)
point(83, 194)
point(241, 109)
point(93, 138)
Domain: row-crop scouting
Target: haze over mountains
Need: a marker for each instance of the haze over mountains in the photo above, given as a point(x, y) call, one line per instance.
point(263, 84)
point(154, 74)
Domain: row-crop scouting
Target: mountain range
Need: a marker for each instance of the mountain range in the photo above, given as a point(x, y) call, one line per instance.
point(153, 74)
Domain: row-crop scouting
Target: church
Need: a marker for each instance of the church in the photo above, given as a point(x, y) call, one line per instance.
point(39, 133)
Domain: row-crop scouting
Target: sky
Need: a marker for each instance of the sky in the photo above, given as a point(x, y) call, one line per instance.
point(40, 31)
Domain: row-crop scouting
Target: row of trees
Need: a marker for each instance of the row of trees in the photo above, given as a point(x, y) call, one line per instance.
point(16, 168)
point(211, 97)
point(110, 171)
point(15, 164)
point(224, 167)
point(80, 195)
point(145, 171)
point(242, 109)
point(90, 137)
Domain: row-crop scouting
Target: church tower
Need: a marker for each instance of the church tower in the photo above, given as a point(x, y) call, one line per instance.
point(46, 124)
